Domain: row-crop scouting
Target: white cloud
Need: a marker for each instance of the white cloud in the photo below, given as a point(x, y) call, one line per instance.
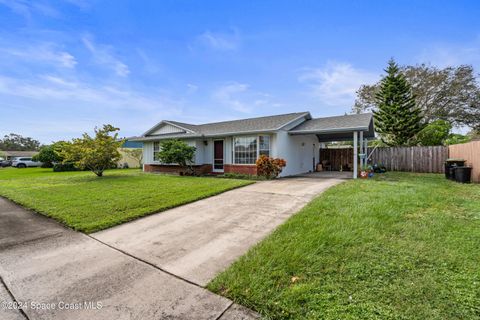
point(229, 95)
point(103, 55)
point(239, 97)
point(82, 4)
point(336, 83)
point(448, 54)
point(53, 89)
point(44, 52)
point(27, 8)
point(220, 41)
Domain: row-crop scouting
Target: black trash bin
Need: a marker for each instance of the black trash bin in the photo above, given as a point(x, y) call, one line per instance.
point(450, 165)
point(463, 174)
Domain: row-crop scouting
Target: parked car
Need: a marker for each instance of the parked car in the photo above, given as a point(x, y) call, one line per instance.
point(5, 163)
point(22, 162)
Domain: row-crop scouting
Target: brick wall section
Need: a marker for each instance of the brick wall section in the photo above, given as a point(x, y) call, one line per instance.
point(243, 169)
point(174, 169)
point(201, 169)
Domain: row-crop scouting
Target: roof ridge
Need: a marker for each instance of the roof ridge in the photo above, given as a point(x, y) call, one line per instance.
point(345, 115)
point(254, 118)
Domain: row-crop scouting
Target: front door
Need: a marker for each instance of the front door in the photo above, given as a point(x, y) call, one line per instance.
point(218, 156)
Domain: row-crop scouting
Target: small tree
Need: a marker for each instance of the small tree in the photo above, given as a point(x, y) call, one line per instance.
point(397, 118)
point(178, 152)
point(50, 154)
point(94, 153)
point(435, 133)
point(269, 167)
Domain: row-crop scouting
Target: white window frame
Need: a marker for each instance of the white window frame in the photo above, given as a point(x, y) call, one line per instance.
point(155, 159)
point(257, 151)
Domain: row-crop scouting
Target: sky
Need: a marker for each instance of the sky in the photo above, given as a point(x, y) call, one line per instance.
point(68, 66)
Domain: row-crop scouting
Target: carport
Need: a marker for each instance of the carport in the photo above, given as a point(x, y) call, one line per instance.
point(356, 127)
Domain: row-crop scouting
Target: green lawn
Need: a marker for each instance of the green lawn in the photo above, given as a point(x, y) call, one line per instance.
point(88, 203)
point(401, 246)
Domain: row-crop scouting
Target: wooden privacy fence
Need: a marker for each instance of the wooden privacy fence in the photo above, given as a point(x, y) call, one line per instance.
point(414, 159)
point(471, 153)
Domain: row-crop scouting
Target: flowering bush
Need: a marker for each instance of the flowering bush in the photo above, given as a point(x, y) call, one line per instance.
point(269, 167)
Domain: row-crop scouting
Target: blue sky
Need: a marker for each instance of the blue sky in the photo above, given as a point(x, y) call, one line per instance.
point(68, 66)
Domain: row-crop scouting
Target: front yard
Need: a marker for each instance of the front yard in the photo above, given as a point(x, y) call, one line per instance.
point(401, 246)
point(88, 203)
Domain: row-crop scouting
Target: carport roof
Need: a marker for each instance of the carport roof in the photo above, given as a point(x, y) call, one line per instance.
point(337, 128)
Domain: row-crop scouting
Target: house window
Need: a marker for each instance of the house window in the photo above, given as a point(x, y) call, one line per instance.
point(247, 149)
point(264, 146)
point(156, 149)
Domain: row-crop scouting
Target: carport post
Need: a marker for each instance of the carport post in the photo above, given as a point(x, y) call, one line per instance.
point(365, 148)
point(361, 148)
point(355, 155)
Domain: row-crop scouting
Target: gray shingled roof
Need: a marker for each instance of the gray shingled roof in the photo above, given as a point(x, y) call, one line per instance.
point(265, 124)
point(337, 123)
point(268, 123)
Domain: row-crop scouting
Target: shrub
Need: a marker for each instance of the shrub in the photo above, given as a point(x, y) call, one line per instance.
point(269, 167)
point(177, 152)
point(50, 154)
point(241, 176)
point(61, 167)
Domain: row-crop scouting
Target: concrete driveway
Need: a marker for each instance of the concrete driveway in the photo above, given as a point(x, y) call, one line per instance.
point(199, 240)
point(151, 268)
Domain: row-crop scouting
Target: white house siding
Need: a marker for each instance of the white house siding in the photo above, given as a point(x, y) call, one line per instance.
point(166, 129)
point(148, 152)
point(298, 151)
point(228, 150)
point(207, 151)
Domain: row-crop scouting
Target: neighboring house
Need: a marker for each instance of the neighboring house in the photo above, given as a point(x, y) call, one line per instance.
point(9, 155)
point(234, 146)
point(126, 159)
point(132, 144)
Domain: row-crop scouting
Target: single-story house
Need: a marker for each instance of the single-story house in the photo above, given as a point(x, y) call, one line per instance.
point(10, 154)
point(234, 146)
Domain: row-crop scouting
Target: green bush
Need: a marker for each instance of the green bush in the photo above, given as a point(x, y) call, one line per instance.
point(241, 176)
point(61, 167)
point(49, 154)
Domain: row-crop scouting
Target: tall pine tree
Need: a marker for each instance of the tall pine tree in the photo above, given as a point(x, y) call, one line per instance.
point(397, 118)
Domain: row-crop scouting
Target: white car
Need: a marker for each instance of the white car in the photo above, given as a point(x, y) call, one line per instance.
point(22, 162)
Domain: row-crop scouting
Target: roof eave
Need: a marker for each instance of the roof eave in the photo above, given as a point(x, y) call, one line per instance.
point(197, 135)
point(323, 131)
